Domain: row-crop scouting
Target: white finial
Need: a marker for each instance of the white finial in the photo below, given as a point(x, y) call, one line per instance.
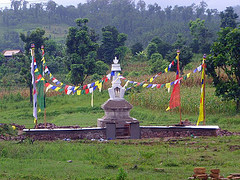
point(115, 60)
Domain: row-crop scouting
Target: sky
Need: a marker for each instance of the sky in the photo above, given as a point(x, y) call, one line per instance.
point(212, 4)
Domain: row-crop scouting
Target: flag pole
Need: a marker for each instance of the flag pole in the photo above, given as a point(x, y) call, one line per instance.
point(45, 112)
point(204, 83)
point(178, 69)
point(34, 86)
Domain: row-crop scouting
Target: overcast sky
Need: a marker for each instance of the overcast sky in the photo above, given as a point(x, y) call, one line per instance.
point(212, 4)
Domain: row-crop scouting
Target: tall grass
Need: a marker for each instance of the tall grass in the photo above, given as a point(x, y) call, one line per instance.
point(158, 99)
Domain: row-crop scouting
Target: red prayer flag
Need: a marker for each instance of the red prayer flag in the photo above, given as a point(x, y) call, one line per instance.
point(47, 84)
point(175, 99)
point(87, 91)
point(175, 96)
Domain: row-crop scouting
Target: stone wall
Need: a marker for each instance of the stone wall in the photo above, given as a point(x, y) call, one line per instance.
point(51, 135)
point(98, 133)
point(148, 132)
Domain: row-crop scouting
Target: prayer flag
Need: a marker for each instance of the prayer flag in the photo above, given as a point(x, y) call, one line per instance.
point(201, 116)
point(78, 92)
point(151, 80)
point(144, 85)
point(175, 100)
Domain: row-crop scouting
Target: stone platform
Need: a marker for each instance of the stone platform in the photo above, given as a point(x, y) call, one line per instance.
point(117, 112)
point(121, 132)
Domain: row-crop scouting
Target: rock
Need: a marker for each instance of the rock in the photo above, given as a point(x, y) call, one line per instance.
point(214, 175)
point(202, 176)
point(69, 161)
point(215, 171)
point(199, 170)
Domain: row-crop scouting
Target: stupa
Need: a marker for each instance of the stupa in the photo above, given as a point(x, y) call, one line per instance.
point(116, 108)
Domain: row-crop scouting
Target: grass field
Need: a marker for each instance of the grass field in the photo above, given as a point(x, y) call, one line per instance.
point(174, 158)
point(102, 160)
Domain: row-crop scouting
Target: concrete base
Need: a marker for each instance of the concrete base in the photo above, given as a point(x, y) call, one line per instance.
point(117, 112)
point(111, 132)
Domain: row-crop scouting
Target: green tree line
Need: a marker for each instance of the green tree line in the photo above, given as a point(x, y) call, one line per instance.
point(141, 22)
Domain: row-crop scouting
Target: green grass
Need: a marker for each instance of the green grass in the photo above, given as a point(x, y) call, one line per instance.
point(149, 109)
point(101, 160)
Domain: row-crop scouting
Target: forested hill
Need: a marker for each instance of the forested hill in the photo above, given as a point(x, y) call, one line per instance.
point(139, 21)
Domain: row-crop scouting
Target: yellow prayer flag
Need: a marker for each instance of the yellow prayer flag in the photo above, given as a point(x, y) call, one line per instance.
point(35, 121)
point(57, 89)
point(188, 75)
point(99, 86)
point(145, 85)
point(79, 92)
point(14, 127)
point(168, 85)
point(36, 70)
point(96, 83)
point(168, 109)
point(201, 112)
point(201, 107)
point(166, 70)
point(151, 80)
point(177, 57)
point(76, 87)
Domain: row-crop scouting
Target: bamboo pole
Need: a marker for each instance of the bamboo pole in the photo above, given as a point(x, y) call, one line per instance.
point(34, 86)
point(204, 83)
point(45, 111)
point(180, 111)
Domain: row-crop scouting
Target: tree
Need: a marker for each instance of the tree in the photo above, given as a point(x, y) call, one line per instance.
point(185, 57)
point(2, 59)
point(35, 37)
point(81, 48)
point(157, 45)
point(228, 18)
point(136, 48)
point(151, 49)
point(201, 36)
point(185, 53)
point(158, 64)
point(111, 40)
point(101, 68)
point(225, 61)
point(50, 47)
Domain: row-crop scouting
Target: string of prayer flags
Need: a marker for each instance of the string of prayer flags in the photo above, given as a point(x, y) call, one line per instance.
point(87, 86)
point(143, 84)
